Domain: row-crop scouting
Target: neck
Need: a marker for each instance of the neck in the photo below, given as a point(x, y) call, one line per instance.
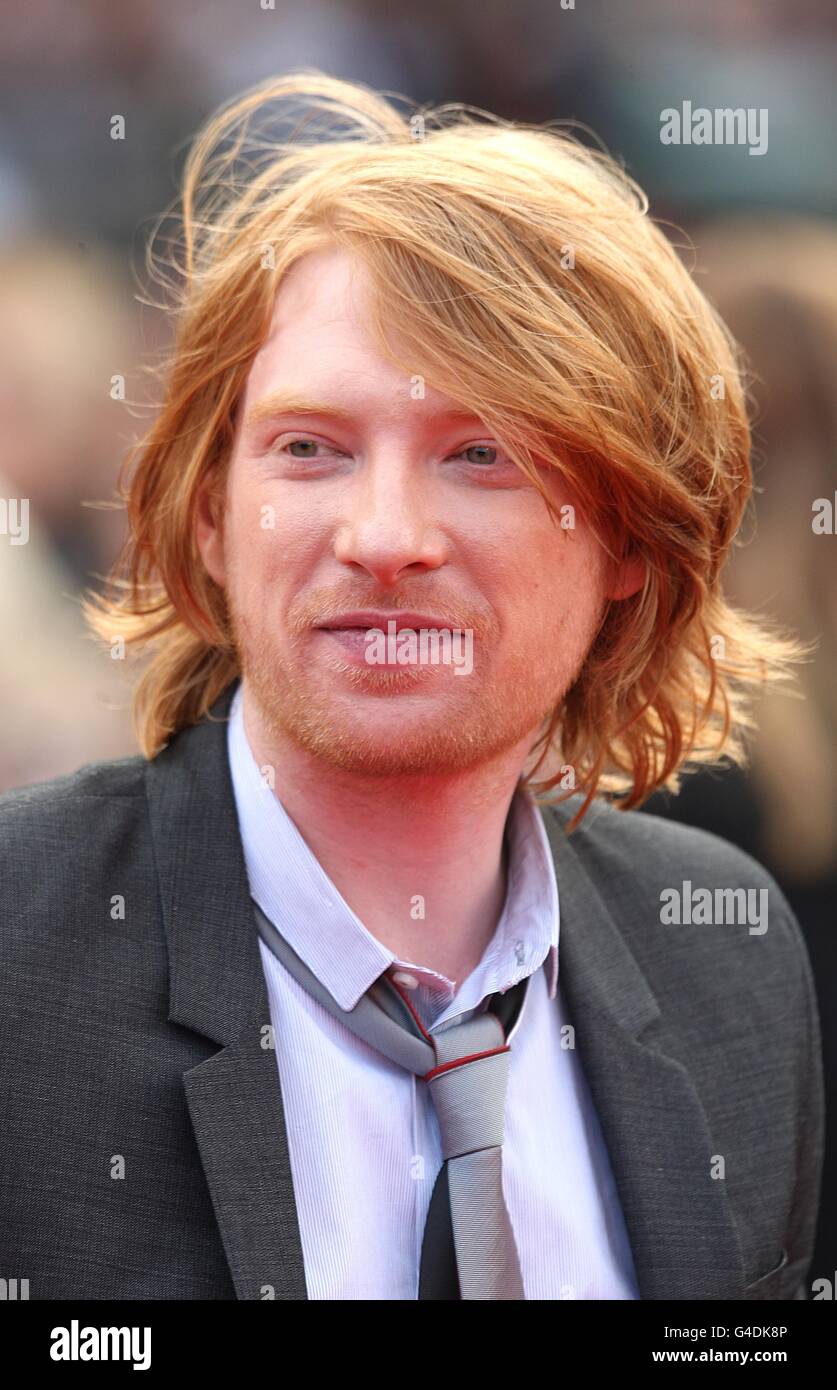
point(419, 859)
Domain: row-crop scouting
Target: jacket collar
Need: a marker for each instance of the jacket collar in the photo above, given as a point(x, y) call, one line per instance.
point(679, 1220)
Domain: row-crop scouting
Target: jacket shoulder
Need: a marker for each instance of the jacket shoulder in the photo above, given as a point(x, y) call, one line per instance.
point(704, 919)
point(63, 841)
point(117, 777)
point(656, 856)
point(607, 833)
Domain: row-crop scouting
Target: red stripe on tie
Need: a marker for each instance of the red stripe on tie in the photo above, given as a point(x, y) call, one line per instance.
point(460, 1061)
point(403, 994)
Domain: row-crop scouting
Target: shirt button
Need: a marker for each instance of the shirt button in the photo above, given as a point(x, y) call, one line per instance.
point(519, 952)
point(400, 977)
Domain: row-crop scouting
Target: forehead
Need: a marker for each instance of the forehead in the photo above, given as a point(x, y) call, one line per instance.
point(329, 286)
point(319, 348)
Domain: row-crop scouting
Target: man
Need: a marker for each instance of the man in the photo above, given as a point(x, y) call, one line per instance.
point(313, 1000)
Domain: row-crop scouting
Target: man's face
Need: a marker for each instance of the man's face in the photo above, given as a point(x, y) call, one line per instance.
point(360, 493)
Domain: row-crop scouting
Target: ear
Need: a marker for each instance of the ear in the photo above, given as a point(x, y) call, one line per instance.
point(209, 533)
point(627, 577)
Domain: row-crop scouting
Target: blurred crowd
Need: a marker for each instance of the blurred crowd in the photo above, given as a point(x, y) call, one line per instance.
point(75, 207)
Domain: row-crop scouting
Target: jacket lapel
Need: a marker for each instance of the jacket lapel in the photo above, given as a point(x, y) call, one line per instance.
point(217, 989)
point(679, 1220)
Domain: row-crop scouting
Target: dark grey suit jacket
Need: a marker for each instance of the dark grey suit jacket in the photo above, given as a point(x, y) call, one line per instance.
point(141, 1040)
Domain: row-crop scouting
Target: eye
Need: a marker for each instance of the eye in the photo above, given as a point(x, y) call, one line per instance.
point(306, 447)
point(303, 448)
point(480, 455)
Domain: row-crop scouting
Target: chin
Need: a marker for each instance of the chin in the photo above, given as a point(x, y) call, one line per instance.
point(379, 752)
point(434, 743)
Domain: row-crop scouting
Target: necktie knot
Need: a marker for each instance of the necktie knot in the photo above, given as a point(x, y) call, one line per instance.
point(469, 1099)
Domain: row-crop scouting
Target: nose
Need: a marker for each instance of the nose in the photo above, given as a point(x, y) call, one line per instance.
point(389, 529)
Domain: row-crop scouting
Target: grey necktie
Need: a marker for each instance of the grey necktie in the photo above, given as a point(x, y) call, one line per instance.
point(466, 1068)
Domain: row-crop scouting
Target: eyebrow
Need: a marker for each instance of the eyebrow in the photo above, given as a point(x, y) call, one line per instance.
point(284, 403)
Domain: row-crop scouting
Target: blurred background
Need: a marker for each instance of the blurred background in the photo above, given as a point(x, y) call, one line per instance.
point(77, 206)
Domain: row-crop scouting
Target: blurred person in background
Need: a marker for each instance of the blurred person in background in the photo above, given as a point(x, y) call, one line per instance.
point(774, 280)
point(64, 335)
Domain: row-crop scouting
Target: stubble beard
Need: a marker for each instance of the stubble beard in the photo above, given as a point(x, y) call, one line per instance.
point(464, 730)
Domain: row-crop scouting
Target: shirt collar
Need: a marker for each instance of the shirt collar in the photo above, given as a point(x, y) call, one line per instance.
point(291, 887)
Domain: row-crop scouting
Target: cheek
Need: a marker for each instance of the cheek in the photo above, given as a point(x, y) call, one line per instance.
point(265, 536)
point(560, 591)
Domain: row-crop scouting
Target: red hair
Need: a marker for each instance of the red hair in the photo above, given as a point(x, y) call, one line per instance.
point(526, 280)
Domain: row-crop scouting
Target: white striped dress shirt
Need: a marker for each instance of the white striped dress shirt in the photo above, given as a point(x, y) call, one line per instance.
point(362, 1132)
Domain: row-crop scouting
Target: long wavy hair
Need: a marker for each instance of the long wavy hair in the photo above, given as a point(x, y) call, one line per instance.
point(517, 270)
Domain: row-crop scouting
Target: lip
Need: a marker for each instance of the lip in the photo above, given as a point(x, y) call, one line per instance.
point(367, 618)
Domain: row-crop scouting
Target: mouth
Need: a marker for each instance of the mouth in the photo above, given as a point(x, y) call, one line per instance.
point(366, 620)
point(349, 635)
